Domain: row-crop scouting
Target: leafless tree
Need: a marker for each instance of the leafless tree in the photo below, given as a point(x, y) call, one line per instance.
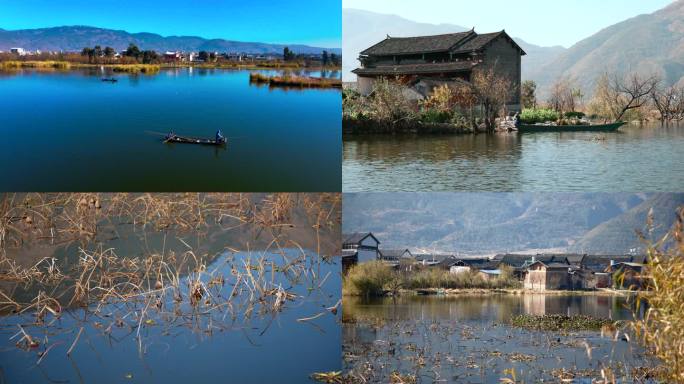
point(630, 92)
point(492, 91)
point(564, 96)
point(669, 101)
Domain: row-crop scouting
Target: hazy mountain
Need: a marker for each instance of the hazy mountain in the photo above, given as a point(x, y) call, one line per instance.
point(651, 43)
point(611, 235)
point(74, 38)
point(361, 29)
point(492, 222)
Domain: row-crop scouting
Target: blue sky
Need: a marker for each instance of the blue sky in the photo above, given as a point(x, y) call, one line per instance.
point(541, 22)
point(309, 22)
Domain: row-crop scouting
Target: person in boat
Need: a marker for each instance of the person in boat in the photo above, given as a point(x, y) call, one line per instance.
point(219, 137)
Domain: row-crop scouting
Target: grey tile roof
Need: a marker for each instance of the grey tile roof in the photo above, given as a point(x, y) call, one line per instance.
point(454, 42)
point(418, 44)
point(357, 237)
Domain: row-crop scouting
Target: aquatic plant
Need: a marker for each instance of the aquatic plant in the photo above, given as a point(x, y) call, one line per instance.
point(538, 115)
point(661, 328)
point(560, 322)
point(210, 291)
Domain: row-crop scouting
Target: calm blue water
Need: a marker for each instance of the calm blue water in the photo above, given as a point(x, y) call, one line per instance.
point(70, 131)
point(635, 159)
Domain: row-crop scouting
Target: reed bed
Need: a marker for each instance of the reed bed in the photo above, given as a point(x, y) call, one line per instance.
point(48, 64)
point(294, 81)
point(136, 68)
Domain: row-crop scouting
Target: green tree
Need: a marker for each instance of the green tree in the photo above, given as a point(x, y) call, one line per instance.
point(528, 91)
point(288, 55)
point(149, 57)
point(335, 59)
point(203, 55)
point(132, 51)
point(109, 52)
point(325, 58)
point(212, 56)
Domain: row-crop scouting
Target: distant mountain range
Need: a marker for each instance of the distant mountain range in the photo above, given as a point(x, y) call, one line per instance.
point(648, 44)
point(484, 223)
point(75, 38)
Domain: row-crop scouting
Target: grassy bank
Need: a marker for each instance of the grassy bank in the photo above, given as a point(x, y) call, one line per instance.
point(377, 279)
point(294, 81)
point(35, 64)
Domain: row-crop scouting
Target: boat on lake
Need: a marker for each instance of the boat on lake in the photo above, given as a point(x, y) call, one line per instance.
point(530, 128)
point(111, 80)
point(173, 138)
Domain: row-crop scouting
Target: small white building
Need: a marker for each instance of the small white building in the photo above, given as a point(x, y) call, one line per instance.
point(18, 51)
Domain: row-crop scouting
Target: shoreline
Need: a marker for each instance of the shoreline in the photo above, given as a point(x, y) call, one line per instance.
point(501, 291)
point(352, 127)
point(68, 65)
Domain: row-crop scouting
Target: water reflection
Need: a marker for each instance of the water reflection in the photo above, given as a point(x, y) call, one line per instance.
point(164, 303)
point(577, 161)
point(470, 339)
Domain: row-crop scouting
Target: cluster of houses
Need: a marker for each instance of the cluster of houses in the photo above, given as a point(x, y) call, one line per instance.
point(538, 272)
point(25, 52)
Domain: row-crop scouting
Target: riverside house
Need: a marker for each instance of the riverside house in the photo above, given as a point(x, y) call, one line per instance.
point(364, 245)
point(424, 62)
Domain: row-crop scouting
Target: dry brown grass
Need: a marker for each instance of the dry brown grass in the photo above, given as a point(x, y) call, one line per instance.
point(662, 327)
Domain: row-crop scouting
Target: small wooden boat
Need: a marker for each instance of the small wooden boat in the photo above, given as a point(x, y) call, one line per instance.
point(111, 80)
point(531, 128)
point(173, 138)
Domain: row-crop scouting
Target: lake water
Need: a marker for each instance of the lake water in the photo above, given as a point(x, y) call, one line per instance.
point(469, 339)
point(69, 131)
point(231, 334)
point(648, 158)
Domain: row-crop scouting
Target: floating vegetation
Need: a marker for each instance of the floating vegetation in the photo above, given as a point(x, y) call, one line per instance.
point(295, 81)
point(415, 339)
point(136, 68)
point(560, 322)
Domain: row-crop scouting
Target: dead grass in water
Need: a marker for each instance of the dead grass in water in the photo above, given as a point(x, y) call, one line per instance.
point(174, 285)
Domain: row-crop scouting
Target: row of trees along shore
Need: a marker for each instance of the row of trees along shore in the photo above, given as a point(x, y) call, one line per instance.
point(616, 97)
point(134, 55)
point(477, 104)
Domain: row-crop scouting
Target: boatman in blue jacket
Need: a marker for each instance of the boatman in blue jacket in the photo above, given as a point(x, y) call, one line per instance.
point(219, 137)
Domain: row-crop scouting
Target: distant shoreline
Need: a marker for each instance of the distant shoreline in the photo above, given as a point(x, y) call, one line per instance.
point(504, 291)
point(68, 65)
